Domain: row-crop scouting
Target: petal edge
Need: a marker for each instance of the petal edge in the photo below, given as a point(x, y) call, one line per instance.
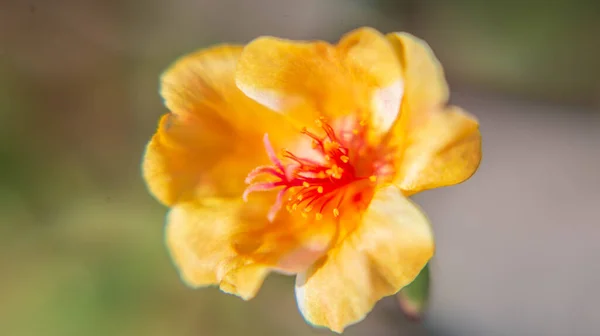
point(445, 150)
point(383, 255)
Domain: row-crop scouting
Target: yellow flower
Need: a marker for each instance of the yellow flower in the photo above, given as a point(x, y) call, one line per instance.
point(298, 157)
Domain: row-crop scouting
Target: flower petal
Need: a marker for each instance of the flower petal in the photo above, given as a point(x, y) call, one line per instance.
point(286, 75)
point(210, 140)
point(425, 86)
point(202, 84)
point(305, 80)
point(385, 253)
point(183, 158)
point(199, 237)
point(290, 244)
point(444, 150)
point(372, 58)
point(230, 243)
point(367, 50)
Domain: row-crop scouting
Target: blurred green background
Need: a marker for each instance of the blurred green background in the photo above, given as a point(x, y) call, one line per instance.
point(81, 240)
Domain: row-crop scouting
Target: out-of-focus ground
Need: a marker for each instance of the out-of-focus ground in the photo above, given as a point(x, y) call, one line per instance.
point(81, 240)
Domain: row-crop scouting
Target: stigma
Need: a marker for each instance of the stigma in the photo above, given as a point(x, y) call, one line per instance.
point(321, 182)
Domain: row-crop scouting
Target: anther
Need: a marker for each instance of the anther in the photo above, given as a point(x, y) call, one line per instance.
point(336, 212)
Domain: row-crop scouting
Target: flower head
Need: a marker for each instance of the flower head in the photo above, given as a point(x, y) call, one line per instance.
point(298, 157)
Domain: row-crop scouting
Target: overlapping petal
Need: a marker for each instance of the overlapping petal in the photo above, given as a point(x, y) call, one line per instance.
point(227, 242)
point(438, 146)
point(385, 253)
point(211, 139)
point(305, 80)
point(203, 84)
point(443, 151)
point(289, 244)
point(199, 237)
point(425, 86)
point(372, 60)
point(187, 159)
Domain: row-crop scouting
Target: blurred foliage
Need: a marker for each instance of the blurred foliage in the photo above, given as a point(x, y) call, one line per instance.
point(413, 298)
point(545, 50)
point(535, 49)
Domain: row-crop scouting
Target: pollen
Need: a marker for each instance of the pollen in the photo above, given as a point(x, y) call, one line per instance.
point(318, 179)
point(336, 212)
point(335, 172)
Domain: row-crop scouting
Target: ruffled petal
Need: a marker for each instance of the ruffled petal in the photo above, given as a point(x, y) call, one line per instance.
point(290, 244)
point(230, 243)
point(372, 59)
point(187, 159)
point(443, 151)
point(210, 140)
point(296, 78)
point(200, 239)
point(305, 80)
point(385, 253)
point(203, 84)
point(425, 86)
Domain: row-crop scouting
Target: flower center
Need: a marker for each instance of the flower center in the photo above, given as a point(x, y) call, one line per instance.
point(321, 182)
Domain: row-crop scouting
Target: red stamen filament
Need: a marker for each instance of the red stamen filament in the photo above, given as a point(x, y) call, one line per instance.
point(312, 184)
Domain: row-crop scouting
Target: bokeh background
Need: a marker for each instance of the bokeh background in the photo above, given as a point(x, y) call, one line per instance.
point(81, 240)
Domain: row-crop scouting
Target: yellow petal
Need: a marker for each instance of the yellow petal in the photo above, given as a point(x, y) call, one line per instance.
point(290, 244)
point(230, 243)
point(244, 281)
point(366, 50)
point(210, 140)
point(199, 237)
point(425, 86)
point(284, 74)
point(202, 83)
point(444, 150)
point(372, 59)
point(385, 253)
point(181, 161)
point(307, 79)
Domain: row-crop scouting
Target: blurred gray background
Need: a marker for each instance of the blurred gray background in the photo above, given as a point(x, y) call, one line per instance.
point(82, 241)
